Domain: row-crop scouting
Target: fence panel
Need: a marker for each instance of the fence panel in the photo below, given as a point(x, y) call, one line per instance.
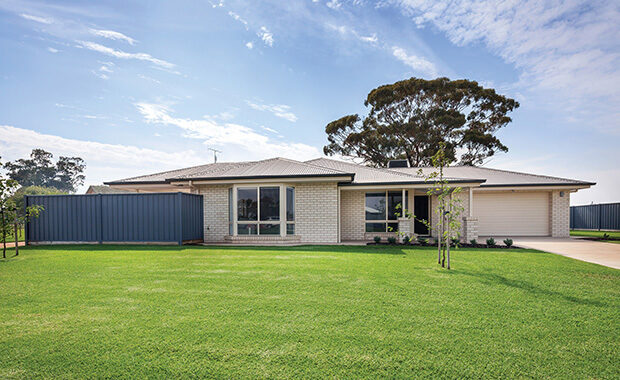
point(604, 216)
point(152, 217)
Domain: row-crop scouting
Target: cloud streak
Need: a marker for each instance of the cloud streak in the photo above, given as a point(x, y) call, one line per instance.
point(124, 55)
point(416, 63)
point(229, 134)
point(112, 35)
point(41, 20)
point(279, 110)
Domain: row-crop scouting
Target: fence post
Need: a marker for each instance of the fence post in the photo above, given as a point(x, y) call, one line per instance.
point(100, 210)
point(26, 222)
point(180, 216)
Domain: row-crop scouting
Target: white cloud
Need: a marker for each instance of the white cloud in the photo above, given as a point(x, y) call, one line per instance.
point(566, 51)
point(238, 18)
point(371, 39)
point(52, 50)
point(334, 4)
point(124, 55)
point(112, 35)
point(279, 110)
point(42, 20)
point(244, 141)
point(249, 45)
point(269, 129)
point(417, 63)
point(104, 162)
point(266, 36)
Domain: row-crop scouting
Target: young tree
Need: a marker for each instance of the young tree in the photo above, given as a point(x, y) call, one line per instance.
point(65, 175)
point(410, 118)
point(20, 218)
point(7, 189)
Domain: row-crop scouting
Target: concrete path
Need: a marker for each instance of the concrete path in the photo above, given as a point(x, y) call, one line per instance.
point(607, 254)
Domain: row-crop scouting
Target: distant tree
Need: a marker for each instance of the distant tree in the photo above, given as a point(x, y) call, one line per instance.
point(410, 118)
point(18, 196)
point(66, 175)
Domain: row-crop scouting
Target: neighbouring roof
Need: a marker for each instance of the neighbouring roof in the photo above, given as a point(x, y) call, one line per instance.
point(366, 175)
point(498, 177)
point(103, 189)
point(271, 168)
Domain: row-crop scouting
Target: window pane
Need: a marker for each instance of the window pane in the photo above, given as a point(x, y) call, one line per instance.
point(290, 229)
point(375, 227)
point(392, 227)
point(394, 198)
point(246, 229)
point(247, 204)
point(290, 203)
point(375, 206)
point(270, 203)
point(270, 229)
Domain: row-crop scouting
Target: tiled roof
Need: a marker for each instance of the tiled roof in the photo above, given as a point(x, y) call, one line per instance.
point(497, 177)
point(369, 175)
point(103, 189)
point(274, 167)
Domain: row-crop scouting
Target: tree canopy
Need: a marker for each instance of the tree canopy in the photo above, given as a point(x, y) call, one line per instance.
point(411, 118)
point(66, 175)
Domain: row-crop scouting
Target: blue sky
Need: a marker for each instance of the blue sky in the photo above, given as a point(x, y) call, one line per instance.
point(140, 86)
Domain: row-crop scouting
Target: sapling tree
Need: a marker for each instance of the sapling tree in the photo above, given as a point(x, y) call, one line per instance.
point(7, 188)
point(21, 217)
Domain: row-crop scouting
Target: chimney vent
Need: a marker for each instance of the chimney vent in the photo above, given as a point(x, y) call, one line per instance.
point(398, 164)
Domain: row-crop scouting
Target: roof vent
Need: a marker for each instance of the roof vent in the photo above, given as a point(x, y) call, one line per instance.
point(398, 164)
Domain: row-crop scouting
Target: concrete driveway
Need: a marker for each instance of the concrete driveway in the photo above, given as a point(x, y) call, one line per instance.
point(607, 254)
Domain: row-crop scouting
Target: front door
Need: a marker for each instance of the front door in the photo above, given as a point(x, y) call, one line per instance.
point(420, 204)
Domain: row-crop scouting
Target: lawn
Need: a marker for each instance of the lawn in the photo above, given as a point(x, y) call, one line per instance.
point(599, 234)
point(322, 312)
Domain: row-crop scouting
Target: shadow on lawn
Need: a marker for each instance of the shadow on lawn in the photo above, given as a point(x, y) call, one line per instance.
point(496, 279)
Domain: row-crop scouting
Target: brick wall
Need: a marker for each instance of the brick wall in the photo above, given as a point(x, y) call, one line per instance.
point(215, 198)
point(559, 214)
point(352, 214)
point(316, 212)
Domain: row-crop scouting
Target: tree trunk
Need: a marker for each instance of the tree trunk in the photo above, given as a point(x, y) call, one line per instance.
point(439, 237)
point(16, 240)
point(448, 241)
point(3, 234)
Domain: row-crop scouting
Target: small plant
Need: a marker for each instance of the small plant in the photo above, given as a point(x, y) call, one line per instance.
point(406, 239)
point(377, 239)
point(422, 241)
point(455, 241)
point(490, 241)
point(508, 242)
point(473, 242)
point(605, 236)
point(391, 240)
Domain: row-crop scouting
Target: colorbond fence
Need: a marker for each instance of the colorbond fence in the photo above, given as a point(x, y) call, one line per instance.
point(104, 218)
point(604, 216)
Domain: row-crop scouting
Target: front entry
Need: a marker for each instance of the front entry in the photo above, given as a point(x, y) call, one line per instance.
point(420, 204)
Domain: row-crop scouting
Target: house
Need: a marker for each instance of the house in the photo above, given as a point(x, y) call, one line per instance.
point(103, 189)
point(328, 201)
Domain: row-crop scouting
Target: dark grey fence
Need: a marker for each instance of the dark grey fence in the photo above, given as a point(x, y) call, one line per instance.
point(604, 216)
point(154, 217)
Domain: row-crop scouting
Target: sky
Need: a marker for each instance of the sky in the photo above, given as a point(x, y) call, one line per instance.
point(135, 87)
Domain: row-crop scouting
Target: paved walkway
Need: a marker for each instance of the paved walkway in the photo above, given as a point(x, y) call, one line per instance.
point(607, 254)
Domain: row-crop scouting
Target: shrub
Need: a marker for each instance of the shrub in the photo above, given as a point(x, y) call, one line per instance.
point(508, 242)
point(391, 240)
point(490, 241)
point(455, 241)
point(473, 242)
point(422, 241)
point(605, 236)
point(377, 239)
point(406, 239)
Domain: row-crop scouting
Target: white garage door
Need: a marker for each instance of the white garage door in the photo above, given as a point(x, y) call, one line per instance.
point(512, 214)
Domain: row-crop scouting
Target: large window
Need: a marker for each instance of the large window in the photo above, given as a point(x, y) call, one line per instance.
point(382, 211)
point(259, 210)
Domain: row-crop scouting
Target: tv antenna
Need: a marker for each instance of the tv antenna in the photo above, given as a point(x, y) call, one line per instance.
point(215, 152)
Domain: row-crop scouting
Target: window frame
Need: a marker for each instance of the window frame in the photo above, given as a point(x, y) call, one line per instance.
point(386, 221)
point(282, 222)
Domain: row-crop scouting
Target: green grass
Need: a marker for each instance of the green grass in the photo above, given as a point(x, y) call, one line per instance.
point(599, 234)
point(322, 312)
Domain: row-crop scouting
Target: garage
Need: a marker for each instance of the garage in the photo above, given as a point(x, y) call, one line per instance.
point(512, 213)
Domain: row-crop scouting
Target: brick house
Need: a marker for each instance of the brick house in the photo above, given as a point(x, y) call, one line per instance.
point(328, 201)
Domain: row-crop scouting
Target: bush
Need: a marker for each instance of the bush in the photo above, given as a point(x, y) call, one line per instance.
point(455, 241)
point(377, 239)
point(508, 242)
point(391, 240)
point(605, 236)
point(490, 241)
point(406, 239)
point(473, 242)
point(422, 241)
